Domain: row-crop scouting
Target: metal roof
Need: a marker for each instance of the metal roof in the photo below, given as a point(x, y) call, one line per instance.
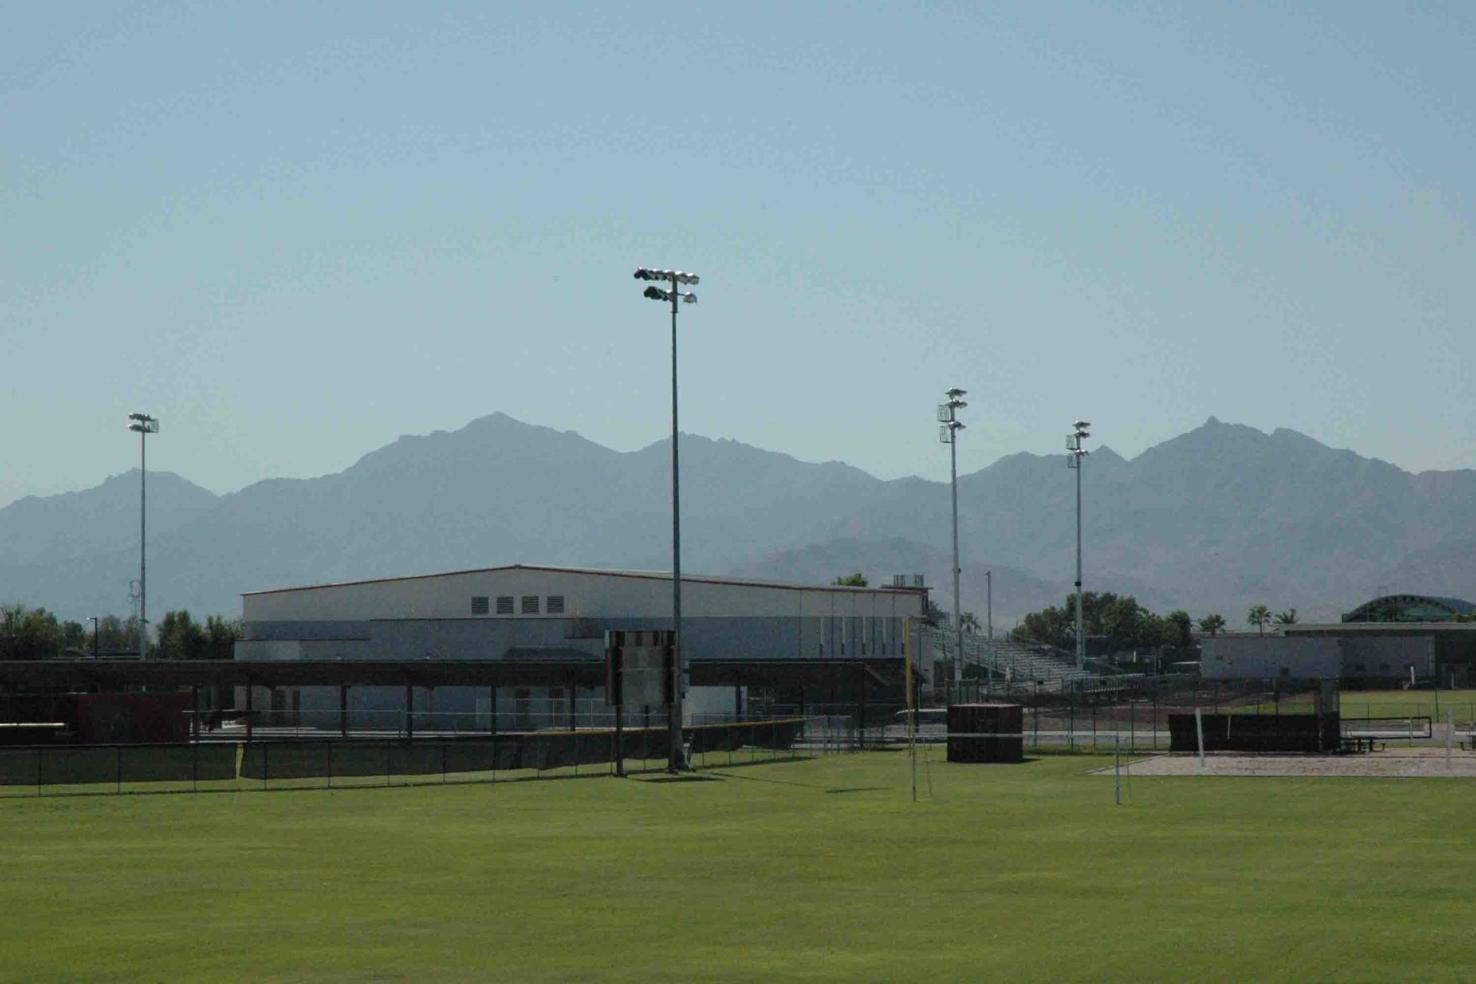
point(1396, 602)
point(586, 671)
point(598, 572)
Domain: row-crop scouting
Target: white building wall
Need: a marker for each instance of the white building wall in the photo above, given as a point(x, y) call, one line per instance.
point(586, 595)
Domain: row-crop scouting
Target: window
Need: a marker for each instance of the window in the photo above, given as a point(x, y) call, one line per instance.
point(479, 604)
point(530, 604)
point(504, 604)
point(556, 604)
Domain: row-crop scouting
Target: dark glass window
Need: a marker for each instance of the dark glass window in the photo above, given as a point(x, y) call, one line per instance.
point(530, 604)
point(479, 604)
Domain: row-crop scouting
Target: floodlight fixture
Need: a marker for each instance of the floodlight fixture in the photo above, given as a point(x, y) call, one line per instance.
point(669, 276)
point(955, 393)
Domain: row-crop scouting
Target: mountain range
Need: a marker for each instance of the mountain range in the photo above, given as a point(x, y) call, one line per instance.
point(1216, 519)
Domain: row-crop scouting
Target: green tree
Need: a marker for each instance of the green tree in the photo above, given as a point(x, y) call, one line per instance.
point(969, 622)
point(180, 637)
point(1125, 623)
point(1212, 625)
point(74, 636)
point(1288, 617)
point(113, 635)
point(856, 580)
point(1178, 629)
point(28, 633)
point(220, 637)
point(1259, 616)
point(1052, 626)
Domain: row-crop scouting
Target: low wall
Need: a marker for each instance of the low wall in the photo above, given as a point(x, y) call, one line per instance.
point(986, 733)
point(1257, 732)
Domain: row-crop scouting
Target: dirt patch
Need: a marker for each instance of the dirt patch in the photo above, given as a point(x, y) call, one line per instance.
point(1403, 763)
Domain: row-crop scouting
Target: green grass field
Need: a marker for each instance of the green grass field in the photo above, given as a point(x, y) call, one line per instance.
point(818, 869)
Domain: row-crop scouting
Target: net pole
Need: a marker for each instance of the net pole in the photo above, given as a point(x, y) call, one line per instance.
point(1199, 729)
point(911, 709)
point(1117, 768)
point(1449, 733)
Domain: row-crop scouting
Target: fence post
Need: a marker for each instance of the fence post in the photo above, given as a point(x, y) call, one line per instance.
point(1071, 725)
point(330, 764)
point(39, 753)
point(118, 768)
point(195, 766)
point(617, 749)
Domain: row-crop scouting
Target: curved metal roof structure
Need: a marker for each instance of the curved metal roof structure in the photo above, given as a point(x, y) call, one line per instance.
point(1410, 608)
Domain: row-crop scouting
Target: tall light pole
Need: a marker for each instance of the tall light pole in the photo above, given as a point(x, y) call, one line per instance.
point(676, 761)
point(989, 608)
point(143, 425)
point(948, 427)
point(1074, 455)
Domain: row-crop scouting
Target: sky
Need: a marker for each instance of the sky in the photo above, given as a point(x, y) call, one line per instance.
point(294, 232)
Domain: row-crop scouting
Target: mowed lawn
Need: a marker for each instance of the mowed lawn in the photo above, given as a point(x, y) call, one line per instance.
point(819, 869)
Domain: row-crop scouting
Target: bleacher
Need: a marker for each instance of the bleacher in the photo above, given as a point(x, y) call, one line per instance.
point(1021, 664)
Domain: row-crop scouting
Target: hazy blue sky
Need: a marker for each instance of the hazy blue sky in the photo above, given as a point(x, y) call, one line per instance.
point(296, 231)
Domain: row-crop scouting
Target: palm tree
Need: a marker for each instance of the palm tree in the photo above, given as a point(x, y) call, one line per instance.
point(969, 622)
point(1288, 617)
point(1211, 624)
point(1258, 616)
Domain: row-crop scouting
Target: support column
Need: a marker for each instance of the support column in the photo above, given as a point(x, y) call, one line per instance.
point(343, 710)
point(249, 713)
point(573, 688)
point(493, 718)
point(195, 713)
point(409, 711)
point(737, 702)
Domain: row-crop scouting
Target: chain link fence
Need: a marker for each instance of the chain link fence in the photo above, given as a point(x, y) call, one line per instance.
point(295, 760)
